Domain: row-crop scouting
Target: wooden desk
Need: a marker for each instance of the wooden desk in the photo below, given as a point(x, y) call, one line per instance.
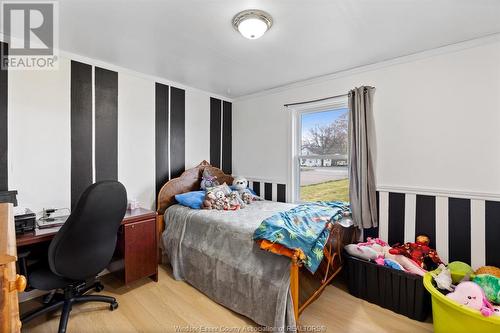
point(136, 244)
point(10, 283)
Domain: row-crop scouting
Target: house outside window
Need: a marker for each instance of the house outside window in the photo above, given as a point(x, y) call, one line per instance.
point(320, 152)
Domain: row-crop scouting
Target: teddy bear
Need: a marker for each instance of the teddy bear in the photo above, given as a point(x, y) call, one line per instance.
point(220, 200)
point(234, 201)
point(208, 180)
point(240, 185)
point(209, 201)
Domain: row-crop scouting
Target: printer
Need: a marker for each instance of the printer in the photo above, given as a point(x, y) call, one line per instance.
point(25, 220)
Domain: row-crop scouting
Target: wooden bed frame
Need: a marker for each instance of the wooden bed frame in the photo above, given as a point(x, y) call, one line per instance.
point(329, 268)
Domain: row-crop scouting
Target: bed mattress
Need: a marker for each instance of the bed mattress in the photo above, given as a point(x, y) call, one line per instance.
point(214, 252)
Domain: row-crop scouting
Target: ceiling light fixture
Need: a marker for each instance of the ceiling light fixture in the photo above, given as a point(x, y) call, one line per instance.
point(252, 23)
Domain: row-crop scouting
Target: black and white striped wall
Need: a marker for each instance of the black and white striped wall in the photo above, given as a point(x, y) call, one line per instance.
point(460, 228)
point(269, 190)
point(94, 128)
point(221, 134)
point(62, 130)
point(170, 140)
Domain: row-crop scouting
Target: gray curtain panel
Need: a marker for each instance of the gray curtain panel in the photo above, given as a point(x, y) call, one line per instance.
point(362, 190)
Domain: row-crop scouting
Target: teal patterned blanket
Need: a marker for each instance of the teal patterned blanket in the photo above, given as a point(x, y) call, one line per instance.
point(303, 227)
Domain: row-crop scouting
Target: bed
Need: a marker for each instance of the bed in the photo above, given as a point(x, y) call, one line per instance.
point(214, 252)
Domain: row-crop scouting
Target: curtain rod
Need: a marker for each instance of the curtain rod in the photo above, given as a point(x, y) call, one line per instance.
point(322, 99)
point(316, 100)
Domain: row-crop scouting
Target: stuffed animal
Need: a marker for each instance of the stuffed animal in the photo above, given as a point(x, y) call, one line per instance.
point(362, 252)
point(247, 197)
point(377, 245)
point(442, 277)
point(393, 264)
point(459, 270)
point(208, 180)
point(408, 264)
point(209, 201)
point(240, 185)
point(419, 252)
point(492, 270)
point(220, 200)
point(234, 201)
point(490, 285)
point(470, 294)
point(496, 310)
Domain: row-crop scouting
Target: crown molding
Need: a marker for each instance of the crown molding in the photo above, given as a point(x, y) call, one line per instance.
point(450, 48)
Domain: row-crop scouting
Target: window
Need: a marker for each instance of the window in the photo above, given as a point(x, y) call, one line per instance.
point(321, 152)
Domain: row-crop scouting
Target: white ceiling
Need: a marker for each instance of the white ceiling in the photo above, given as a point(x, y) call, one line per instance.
point(192, 41)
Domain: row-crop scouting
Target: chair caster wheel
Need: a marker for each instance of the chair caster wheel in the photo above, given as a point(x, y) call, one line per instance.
point(113, 306)
point(99, 287)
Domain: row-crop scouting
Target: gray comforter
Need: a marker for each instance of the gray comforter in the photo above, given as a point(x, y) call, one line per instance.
point(214, 252)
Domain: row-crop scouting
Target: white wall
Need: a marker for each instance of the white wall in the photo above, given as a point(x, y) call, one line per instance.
point(136, 137)
point(40, 137)
point(437, 122)
point(39, 145)
point(197, 127)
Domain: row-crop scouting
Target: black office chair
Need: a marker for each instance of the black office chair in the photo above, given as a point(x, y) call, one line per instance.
point(81, 249)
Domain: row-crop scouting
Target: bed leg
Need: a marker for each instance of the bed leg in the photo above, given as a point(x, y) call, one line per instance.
point(294, 287)
point(160, 226)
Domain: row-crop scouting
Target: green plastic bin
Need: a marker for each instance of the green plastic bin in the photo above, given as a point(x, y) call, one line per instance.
point(449, 316)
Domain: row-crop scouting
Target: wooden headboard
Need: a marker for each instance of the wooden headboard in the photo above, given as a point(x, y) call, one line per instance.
point(189, 181)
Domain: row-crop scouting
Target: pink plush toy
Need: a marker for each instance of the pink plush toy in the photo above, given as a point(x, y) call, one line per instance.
point(371, 241)
point(496, 310)
point(470, 294)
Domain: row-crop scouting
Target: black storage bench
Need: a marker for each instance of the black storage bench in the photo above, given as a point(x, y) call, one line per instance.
point(395, 290)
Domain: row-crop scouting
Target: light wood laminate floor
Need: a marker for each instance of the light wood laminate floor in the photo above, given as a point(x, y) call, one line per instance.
point(175, 306)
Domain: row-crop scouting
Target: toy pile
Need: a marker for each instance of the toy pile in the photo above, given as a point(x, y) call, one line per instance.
point(478, 289)
point(222, 197)
point(413, 257)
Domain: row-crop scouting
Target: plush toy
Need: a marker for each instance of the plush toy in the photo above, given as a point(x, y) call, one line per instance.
point(496, 310)
point(393, 264)
point(490, 285)
point(492, 270)
point(419, 252)
point(362, 252)
point(209, 201)
point(234, 201)
point(240, 185)
point(247, 197)
point(409, 265)
point(220, 200)
point(442, 277)
point(380, 260)
point(459, 270)
point(208, 180)
point(377, 245)
point(470, 294)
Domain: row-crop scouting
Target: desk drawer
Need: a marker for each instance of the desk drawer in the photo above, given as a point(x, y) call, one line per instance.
point(139, 249)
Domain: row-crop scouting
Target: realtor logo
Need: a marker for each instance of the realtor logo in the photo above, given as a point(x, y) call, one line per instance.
point(31, 31)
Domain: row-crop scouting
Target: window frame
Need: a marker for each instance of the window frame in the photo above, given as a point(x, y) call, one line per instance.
point(296, 112)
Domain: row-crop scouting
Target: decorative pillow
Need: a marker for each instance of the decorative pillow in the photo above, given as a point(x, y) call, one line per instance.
point(362, 252)
point(192, 199)
point(224, 188)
